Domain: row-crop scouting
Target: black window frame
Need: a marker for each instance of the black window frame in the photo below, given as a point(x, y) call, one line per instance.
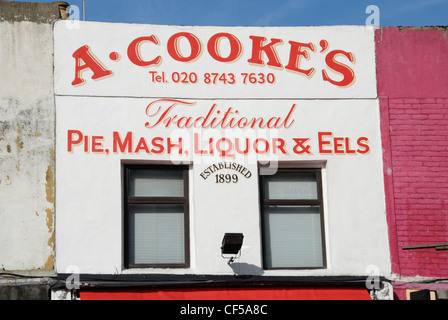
point(129, 200)
point(315, 202)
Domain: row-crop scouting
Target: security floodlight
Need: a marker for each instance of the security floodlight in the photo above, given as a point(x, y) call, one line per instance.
point(231, 245)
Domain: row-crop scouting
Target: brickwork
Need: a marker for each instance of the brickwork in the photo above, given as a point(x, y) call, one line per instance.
point(419, 156)
point(413, 94)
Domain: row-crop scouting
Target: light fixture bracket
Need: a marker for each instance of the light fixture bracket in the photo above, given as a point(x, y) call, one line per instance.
point(231, 245)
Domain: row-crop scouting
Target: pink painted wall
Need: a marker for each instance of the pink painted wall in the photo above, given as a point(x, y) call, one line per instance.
point(412, 75)
point(412, 62)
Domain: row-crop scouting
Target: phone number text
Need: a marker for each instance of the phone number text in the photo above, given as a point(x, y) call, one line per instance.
point(212, 78)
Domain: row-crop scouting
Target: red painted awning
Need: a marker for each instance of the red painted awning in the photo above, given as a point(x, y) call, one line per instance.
point(229, 294)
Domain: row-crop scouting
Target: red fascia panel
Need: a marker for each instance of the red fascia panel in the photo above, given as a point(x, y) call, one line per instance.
point(229, 294)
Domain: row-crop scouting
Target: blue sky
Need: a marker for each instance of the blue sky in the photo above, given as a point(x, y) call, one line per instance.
point(265, 13)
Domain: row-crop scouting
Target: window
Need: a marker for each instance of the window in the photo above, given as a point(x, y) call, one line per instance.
point(292, 219)
point(156, 216)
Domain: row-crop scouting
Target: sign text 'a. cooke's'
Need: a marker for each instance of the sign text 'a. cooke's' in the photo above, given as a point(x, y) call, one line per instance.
point(263, 52)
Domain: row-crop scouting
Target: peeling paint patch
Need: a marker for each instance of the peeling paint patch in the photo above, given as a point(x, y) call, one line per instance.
point(402, 28)
point(49, 265)
point(52, 154)
point(49, 189)
point(49, 185)
point(50, 220)
point(19, 142)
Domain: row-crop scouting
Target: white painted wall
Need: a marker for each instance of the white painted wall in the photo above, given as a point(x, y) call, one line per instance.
point(26, 146)
point(89, 186)
point(89, 219)
point(106, 38)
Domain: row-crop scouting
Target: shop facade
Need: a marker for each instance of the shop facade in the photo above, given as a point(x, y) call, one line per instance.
point(133, 151)
point(169, 137)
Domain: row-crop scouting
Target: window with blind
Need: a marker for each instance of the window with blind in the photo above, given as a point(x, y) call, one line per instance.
point(292, 219)
point(156, 216)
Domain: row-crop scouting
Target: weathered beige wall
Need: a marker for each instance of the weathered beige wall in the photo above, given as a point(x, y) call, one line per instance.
point(27, 124)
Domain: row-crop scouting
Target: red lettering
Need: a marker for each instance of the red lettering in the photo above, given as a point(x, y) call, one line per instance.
point(97, 145)
point(118, 144)
point(347, 147)
point(278, 144)
point(142, 145)
point(300, 143)
point(338, 145)
point(134, 52)
point(238, 149)
point(341, 144)
point(285, 123)
point(90, 62)
point(226, 152)
point(163, 117)
point(184, 122)
point(158, 142)
point(338, 67)
point(266, 145)
point(187, 47)
point(322, 143)
point(86, 143)
point(273, 122)
point(197, 145)
point(214, 118)
point(258, 48)
point(71, 141)
point(174, 145)
point(362, 142)
point(296, 53)
point(235, 47)
point(174, 50)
